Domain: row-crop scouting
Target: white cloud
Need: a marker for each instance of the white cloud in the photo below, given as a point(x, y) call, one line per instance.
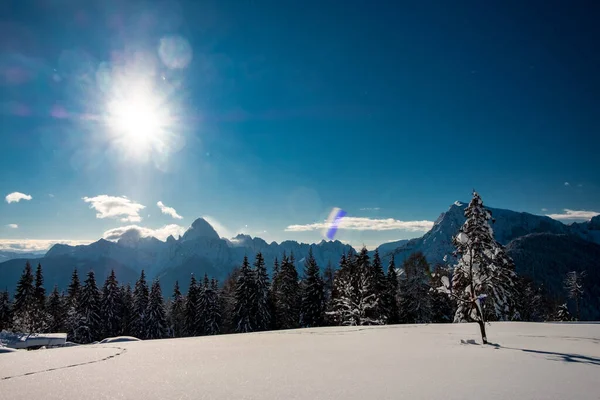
point(15, 197)
point(567, 184)
point(36, 244)
point(115, 207)
point(133, 231)
point(168, 210)
point(544, 209)
point(13, 226)
point(366, 224)
point(574, 215)
point(370, 209)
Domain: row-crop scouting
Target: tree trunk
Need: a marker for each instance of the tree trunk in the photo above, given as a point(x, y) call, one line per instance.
point(482, 329)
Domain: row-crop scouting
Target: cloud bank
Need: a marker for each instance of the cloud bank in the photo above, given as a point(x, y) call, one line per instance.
point(37, 245)
point(13, 226)
point(135, 231)
point(367, 224)
point(574, 215)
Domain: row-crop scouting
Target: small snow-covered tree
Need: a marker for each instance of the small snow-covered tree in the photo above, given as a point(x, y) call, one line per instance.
point(141, 295)
point(287, 297)
point(110, 308)
point(177, 313)
point(261, 311)
point(5, 311)
point(313, 302)
point(90, 328)
point(25, 303)
point(244, 299)
point(156, 315)
point(562, 314)
point(192, 305)
point(574, 285)
point(483, 271)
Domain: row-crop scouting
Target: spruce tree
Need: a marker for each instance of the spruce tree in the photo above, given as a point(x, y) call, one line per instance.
point(56, 311)
point(177, 313)
point(275, 286)
point(25, 303)
point(313, 298)
point(441, 304)
point(202, 312)
point(261, 311)
point(244, 299)
point(562, 314)
point(90, 329)
point(227, 302)
point(41, 318)
point(391, 294)
point(484, 273)
point(110, 309)
point(126, 312)
point(415, 299)
point(5, 311)
point(72, 309)
point(574, 285)
point(156, 315)
point(74, 287)
point(287, 297)
point(141, 295)
point(379, 282)
point(212, 322)
point(192, 302)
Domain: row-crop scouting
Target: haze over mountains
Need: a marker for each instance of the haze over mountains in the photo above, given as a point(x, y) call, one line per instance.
point(200, 250)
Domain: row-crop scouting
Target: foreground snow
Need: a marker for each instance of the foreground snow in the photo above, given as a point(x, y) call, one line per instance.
point(530, 361)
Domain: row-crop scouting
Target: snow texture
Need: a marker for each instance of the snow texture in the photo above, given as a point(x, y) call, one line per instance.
point(531, 361)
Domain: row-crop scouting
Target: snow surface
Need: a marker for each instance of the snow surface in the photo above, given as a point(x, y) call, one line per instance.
point(119, 339)
point(531, 361)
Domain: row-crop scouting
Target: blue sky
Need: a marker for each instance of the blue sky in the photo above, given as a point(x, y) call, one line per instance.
point(261, 116)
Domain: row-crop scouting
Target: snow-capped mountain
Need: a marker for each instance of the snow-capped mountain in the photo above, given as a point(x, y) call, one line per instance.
point(508, 225)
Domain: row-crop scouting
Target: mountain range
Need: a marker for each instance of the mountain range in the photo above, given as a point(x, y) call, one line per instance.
point(200, 250)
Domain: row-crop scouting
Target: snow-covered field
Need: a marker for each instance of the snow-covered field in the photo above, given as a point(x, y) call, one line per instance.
point(530, 361)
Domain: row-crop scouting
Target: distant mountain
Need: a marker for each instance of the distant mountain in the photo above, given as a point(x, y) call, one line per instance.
point(200, 250)
point(508, 225)
point(547, 257)
point(10, 255)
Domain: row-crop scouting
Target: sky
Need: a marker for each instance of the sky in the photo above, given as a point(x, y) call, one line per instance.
point(262, 116)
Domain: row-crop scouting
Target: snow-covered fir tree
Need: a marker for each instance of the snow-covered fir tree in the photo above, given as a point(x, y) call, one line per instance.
point(328, 276)
point(56, 311)
point(177, 313)
point(415, 300)
point(274, 289)
point(391, 293)
point(126, 304)
point(441, 304)
point(530, 301)
point(192, 305)
point(261, 311)
point(141, 295)
point(227, 301)
point(574, 285)
point(156, 315)
point(74, 287)
point(379, 285)
point(201, 313)
point(41, 319)
point(5, 311)
point(244, 299)
point(313, 298)
point(90, 328)
point(212, 313)
point(287, 296)
point(110, 309)
point(562, 314)
point(24, 308)
point(72, 309)
point(483, 274)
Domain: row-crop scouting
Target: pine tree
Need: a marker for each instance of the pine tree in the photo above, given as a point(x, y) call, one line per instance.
point(441, 304)
point(415, 300)
point(244, 299)
point(72, 309)
point(24, 307)
point(126, 309)
point(483, 271)
point(56, 311)
point(192, 302)
point(212, 319)
point(41, 319)
point(227, 302)
point(328, 277)
point(202, 312)
point(177, 313)
point(275, 287)
point(90, 329)
point(562, 314)
point(313, 301)
point(141, 295)
point(74, 287)
point(110, 310)
point(379, 285)
point(261, 308)
point(156, 315)
point(287, 297)
point(5, 311)
point(391, 294)
point(574, 286)
point(530, 301)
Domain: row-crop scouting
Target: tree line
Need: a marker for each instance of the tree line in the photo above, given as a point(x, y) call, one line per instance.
point(481, 286)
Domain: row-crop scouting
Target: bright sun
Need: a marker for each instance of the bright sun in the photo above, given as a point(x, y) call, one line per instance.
point(138, 120)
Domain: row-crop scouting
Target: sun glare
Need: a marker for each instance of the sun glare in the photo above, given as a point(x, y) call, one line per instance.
point(138, 120)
